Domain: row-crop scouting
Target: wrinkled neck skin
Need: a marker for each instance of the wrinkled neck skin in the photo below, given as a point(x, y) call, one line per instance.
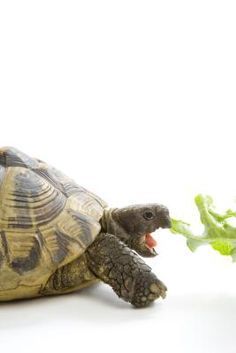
point(111, 225)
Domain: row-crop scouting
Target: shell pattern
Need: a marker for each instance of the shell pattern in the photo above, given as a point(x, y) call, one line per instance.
point(46, 221)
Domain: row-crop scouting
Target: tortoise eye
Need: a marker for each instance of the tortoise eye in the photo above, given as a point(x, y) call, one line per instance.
point(148, 215)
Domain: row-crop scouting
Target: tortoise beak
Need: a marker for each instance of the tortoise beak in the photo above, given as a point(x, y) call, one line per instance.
point(166, 222)
point(163, 217)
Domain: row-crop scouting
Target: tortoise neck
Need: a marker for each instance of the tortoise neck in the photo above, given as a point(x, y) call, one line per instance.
point(107, 221)
point(110, 223)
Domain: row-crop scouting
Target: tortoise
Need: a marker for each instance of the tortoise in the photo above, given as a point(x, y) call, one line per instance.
point(57, 237)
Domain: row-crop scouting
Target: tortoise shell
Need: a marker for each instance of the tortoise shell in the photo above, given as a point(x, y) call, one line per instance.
point(46, 221)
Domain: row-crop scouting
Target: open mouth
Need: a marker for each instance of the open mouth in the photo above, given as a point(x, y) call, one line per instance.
point(145, 243)
point(149, 243)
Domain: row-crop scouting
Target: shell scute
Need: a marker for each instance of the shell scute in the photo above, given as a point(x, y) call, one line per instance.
point(46, 221)
point(12, 157)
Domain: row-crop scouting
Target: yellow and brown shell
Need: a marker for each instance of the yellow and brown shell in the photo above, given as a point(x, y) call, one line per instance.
point(46, 221)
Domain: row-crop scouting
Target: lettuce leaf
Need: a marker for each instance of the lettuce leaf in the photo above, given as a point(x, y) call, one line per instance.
point(218, 232)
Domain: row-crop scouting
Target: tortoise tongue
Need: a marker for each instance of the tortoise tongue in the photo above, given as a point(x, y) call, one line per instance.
point(150, 241)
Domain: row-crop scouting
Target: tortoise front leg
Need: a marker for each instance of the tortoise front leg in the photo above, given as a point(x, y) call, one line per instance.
point(115, 264)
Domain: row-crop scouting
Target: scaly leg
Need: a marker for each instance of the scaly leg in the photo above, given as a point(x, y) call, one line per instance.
point(120, 267)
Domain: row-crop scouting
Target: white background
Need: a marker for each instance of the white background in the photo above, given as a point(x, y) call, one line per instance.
point(136, 101)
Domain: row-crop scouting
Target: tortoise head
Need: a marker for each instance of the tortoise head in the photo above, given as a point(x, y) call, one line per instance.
point(134, 225)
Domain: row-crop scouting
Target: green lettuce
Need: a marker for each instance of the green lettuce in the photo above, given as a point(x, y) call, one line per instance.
point(218, 232)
